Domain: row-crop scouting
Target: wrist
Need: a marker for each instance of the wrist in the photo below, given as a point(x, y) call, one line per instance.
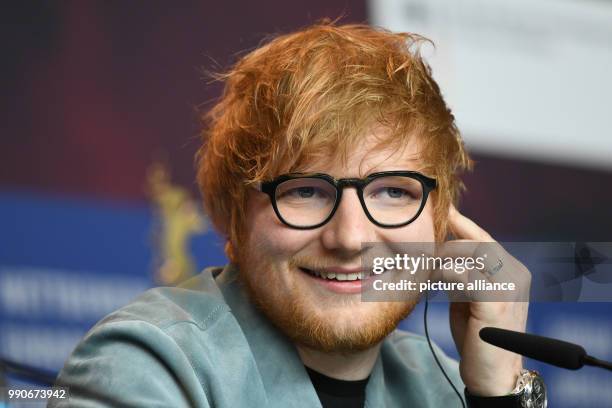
point(530, 391)
point(494, 387)
point(496, 384)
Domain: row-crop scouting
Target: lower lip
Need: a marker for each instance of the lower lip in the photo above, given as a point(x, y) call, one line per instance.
point(345, 287)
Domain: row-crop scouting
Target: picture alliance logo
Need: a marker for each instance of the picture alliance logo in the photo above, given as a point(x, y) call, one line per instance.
point(412, 264)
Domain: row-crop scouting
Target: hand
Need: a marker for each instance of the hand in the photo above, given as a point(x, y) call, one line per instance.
point(487, 370)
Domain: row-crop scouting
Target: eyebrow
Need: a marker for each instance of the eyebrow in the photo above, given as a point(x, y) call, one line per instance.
point(413, 167)
point(375, 170)
point(408, 165)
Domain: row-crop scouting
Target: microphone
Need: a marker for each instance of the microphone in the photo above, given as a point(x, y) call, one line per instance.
point(548, 350)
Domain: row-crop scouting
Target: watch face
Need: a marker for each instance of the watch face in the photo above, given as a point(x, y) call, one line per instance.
point(534, 395)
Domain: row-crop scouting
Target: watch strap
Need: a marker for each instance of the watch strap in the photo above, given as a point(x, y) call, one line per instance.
point(506, 401)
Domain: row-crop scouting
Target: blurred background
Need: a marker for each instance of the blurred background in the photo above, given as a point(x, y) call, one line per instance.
point(100, 104)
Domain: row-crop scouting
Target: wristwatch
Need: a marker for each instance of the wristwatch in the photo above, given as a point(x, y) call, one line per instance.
point(530, 392)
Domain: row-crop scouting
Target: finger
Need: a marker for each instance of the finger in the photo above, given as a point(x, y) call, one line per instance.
point(476, 262)
point(464, 228)
point(479, 260)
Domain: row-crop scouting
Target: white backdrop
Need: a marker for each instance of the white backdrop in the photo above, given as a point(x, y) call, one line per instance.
point(524, 78)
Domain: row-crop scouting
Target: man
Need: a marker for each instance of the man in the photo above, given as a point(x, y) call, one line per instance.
point(323, 140)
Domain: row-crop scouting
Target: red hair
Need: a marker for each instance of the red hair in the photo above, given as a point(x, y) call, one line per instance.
point(312, 94)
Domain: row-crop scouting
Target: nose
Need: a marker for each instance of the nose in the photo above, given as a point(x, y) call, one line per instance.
point(349, 227)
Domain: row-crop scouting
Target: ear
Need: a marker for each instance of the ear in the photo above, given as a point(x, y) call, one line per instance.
point(230, 252)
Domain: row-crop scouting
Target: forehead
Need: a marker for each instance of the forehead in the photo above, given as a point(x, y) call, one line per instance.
point(373, 153)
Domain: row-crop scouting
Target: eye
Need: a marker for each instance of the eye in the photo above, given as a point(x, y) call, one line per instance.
point(305, 190)
point(302, 192)
point(395, 192)
point(392, 192)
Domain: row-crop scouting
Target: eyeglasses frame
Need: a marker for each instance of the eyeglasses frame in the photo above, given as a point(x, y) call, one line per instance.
point(269, 187)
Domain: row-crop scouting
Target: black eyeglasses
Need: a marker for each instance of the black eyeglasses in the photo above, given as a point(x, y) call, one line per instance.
point(390, 199)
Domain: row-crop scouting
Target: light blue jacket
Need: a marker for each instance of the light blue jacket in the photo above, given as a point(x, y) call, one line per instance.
point(203, 344)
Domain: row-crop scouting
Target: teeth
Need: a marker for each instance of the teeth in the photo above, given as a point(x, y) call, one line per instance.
point(336, 276)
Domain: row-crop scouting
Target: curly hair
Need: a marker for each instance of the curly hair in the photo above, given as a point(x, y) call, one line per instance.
point(312, 94)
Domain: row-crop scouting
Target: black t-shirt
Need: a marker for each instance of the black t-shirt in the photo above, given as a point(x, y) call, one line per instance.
point(335, 393)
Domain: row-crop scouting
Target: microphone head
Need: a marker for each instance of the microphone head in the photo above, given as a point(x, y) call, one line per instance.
point(551, 351)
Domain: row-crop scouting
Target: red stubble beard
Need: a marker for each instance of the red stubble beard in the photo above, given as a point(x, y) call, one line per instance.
point(308, 316)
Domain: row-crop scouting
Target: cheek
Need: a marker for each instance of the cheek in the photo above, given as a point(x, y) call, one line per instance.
point(269, 236)
point(420, 230)
point(427, 222)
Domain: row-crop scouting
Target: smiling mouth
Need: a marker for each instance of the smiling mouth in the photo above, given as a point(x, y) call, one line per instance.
point(335, 276)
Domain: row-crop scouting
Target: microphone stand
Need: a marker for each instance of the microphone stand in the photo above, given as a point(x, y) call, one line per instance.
point(35, 375)
point(592, 361)
point(2, 386)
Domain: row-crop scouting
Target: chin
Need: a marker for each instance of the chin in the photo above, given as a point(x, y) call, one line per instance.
point(357, 329)
point(342, 323)
point(314, 317)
